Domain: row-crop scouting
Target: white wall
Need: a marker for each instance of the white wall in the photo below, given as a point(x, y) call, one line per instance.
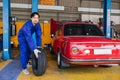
point(95, 18)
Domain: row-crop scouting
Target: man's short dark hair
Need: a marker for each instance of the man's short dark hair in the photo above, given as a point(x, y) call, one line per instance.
point(35, 13)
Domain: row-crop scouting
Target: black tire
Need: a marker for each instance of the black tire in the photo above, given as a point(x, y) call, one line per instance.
point(59, 60)
point(106, 66)
point(39, 65)
point(61, 64)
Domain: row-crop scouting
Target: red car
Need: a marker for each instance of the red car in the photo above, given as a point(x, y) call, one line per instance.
point(80, 43)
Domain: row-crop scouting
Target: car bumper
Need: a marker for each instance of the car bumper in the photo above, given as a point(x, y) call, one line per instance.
point(90, 61)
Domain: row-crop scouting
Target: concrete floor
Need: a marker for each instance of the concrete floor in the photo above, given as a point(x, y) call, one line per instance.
point(72, 73)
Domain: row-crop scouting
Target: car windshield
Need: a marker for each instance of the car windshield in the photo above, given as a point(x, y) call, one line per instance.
point(82, 29)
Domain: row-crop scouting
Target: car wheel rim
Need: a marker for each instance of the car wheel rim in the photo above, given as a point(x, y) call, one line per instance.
point(50, 49)
point(58, 59)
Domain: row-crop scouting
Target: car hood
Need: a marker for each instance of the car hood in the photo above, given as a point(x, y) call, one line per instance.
point(90, 39)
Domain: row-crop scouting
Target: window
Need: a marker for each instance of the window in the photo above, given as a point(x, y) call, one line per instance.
point(82, 29)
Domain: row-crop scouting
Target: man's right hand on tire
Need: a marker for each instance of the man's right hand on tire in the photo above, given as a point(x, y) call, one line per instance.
point(36, 51)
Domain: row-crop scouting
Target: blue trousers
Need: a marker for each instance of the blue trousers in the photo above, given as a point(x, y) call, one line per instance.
point(24, 52)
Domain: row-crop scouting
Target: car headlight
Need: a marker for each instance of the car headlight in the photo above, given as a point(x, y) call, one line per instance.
point(74, 50)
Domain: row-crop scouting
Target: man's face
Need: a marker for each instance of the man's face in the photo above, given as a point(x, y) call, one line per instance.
point(35, 19)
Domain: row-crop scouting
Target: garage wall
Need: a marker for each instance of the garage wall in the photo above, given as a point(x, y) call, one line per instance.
point(21, 1)
point(99, 4)
point(95, 18)
point(70, 5)
point(70, 13)
point(91, 4)
point(75, 3)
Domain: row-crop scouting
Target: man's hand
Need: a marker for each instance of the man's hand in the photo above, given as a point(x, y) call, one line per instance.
point(39, 47)
point(36, 51)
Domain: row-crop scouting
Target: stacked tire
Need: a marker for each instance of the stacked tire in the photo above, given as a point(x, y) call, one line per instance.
point(39, 65)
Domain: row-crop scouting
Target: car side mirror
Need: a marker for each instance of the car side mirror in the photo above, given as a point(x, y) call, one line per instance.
point(52, 35)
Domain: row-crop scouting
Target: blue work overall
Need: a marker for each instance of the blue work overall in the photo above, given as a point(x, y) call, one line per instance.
point(26, 42)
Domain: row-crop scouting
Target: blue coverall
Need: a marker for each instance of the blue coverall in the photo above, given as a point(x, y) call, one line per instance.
point(26, 42)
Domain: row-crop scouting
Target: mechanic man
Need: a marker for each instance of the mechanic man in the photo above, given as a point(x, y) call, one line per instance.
point(26, 42)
